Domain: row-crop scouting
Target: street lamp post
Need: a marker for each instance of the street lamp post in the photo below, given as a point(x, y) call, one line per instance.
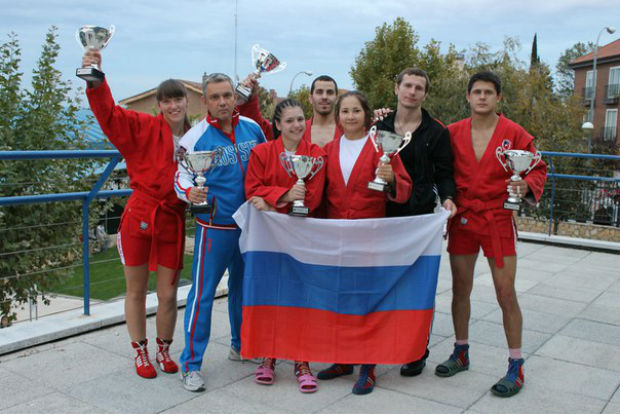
point(305, 72)
point(609, 30)
point(587, 128)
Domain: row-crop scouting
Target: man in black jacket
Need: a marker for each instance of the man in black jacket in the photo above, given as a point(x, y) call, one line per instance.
point(427, 158)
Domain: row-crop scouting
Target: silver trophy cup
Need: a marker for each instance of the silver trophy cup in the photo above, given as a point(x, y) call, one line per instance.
point(518, 162)
point(391, 144)
point(264, 62)
point(199, 162)
point(93, 38)
point(301, 166)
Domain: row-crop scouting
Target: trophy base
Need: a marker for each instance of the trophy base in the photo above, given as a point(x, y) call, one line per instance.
point(385, 188)
point(299, 211)
point(512, 206)
point(90, 74)
point(200, 209)
point(243, 93)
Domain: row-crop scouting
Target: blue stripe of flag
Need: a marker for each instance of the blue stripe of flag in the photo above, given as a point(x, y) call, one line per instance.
point(277, 279)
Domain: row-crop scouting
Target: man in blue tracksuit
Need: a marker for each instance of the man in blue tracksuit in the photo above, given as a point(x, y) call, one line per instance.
point(216, 245)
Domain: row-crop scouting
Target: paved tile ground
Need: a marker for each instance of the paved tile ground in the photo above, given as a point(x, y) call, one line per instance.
point(571, 307)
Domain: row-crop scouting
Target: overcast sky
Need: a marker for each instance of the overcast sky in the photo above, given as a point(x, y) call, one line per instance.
point(184, 38)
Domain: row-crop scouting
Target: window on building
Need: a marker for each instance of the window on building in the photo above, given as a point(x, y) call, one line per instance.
point(589, 90)
point(611, 123)
point(613, 89)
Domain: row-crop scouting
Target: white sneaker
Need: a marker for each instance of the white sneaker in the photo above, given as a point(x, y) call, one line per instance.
point(234, 355)
point(193, 381)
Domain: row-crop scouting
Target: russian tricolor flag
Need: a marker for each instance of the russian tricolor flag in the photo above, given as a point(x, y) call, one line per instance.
point(347, 291)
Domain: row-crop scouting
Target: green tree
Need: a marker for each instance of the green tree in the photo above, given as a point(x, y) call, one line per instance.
point(376, 66)
point(267, 104)
point(10, 94)
point(448, 82)
point(303, 96)
point(534, 58)
point(43, 117)
point(564, 74)
point(530, 96)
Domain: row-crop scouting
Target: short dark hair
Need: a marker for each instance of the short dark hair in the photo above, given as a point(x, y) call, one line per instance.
point(416, 72)
point(485, 76)
point(171, 88)
point(277, 113)
point(362, 100)
point(325, 78)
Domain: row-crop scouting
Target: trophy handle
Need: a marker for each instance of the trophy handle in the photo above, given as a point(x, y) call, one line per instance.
point(372, 134)
point(77, 38)
point(112, 29)
point(499, 153)
point(286, 164)
point(536, 158)
point(182, 162)
point(316, 167)
point(255, 51)
point(406, 140)
point(217, 156)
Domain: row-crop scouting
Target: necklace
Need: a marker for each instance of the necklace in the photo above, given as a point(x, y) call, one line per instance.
point(400, 128)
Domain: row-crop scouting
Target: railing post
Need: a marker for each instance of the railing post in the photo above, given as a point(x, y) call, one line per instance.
point(86, 256)
point(85, 247)
point(552, 168)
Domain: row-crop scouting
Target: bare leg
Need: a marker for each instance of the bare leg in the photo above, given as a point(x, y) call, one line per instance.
point(137, 280)
point(504, 281)
point(462, 283)
point(166, 317)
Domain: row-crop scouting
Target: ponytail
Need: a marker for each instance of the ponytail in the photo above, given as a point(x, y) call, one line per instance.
point(277, 113)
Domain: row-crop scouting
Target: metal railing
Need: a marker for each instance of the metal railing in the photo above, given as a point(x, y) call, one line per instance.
point(586, 95)
point(591, 197)
point(602, 191)
point(612, 93)
point(86, 197)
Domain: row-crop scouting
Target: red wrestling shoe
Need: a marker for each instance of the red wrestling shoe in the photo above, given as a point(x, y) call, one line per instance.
point(144, 368)
point(166, 364)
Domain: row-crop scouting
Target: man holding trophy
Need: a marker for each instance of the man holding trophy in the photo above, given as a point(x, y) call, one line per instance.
point(219, 149)
point(485, 218)
point(428, 159)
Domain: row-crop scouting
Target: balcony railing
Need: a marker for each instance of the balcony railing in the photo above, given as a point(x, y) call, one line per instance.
point(586, 95)
point(612, 93)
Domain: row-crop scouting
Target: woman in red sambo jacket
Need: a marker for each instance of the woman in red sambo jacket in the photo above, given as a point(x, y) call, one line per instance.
point(353, 162)
point(152, 231)
point(268, 187)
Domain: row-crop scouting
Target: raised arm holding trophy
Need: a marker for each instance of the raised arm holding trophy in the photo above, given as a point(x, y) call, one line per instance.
point(93, 38)
point(264, 62)
point(151, 234)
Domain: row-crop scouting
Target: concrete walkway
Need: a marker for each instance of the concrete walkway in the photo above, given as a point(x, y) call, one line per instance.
point(570, 301)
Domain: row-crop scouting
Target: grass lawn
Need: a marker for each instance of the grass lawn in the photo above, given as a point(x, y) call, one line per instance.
point(106, 278)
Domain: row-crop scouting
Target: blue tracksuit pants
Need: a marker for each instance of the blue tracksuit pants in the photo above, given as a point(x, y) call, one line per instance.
point(214, 251)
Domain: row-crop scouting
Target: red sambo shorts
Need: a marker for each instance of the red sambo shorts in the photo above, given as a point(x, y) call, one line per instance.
point(152, 232)
point(466, 236)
